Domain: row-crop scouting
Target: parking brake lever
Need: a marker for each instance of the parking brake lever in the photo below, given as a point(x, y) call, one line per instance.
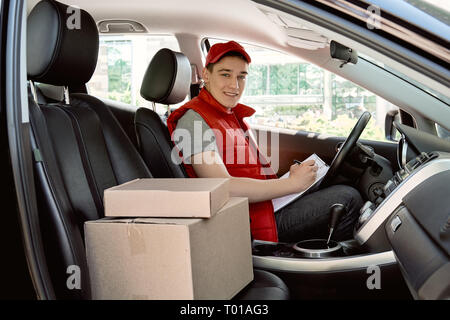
point(336, 212)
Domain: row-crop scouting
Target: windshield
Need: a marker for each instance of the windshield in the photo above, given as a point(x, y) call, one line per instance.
point(439, 9)
point(416, 83)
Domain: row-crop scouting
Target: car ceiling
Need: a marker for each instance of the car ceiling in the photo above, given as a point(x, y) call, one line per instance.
point(204, 17)
point(207, 18)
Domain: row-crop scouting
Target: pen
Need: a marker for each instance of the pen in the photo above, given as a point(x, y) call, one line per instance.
point(297, 162)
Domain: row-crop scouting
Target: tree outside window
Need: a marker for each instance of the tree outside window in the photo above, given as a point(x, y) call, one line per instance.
point(298, 95)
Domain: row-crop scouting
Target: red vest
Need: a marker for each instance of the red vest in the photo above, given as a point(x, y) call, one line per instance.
point(238, 151)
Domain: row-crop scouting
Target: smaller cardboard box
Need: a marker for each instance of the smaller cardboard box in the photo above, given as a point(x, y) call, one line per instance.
point(201, 197)
point(177, 258)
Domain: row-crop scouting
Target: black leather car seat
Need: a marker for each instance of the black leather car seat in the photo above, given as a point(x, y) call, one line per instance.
point(80, 149)
point(166, 80)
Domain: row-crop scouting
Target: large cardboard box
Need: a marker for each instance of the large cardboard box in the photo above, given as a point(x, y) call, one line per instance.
point(201, 197)
point(178, 258)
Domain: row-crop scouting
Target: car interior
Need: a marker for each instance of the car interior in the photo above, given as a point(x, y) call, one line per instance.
point(82, 144)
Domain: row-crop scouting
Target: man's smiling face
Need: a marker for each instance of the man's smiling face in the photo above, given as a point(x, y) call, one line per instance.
point(226, 81)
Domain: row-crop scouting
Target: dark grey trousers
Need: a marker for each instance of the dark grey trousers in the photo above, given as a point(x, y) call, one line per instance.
point(308, 217)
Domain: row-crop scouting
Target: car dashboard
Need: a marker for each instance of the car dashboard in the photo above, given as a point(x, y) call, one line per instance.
point(419, 233)
point(412, 217)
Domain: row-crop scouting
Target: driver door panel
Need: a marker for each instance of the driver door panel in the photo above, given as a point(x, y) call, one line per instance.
point(302, 144)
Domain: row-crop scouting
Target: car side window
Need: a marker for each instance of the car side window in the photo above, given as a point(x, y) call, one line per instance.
point(291, 93)
point(121, 66)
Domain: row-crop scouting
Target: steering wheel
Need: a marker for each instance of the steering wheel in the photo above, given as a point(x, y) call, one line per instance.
point(345, 149)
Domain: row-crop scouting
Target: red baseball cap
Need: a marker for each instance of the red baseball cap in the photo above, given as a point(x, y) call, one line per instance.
point(219, 49)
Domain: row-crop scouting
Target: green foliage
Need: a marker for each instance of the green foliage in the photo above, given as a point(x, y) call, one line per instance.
point(120, 96)
point(348, 100)
point(312, 119)
point(310, 78)
point(119, 76)
point(283, 79)
point(347, 95)
point(341, 126)
point(256, 81)
point(292, 110)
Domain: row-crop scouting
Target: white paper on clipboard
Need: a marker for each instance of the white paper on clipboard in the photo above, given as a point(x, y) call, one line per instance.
point(281, 202)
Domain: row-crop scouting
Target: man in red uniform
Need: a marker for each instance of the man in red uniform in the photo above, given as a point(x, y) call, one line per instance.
point(231, 153)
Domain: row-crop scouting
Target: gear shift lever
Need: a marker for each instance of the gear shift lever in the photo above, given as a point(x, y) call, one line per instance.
point(336, 212)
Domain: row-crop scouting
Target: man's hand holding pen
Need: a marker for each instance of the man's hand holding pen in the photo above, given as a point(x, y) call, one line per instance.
point(303, 174)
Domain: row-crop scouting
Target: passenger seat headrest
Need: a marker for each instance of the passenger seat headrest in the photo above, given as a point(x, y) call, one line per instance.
point(62, 44)
point(168, 78)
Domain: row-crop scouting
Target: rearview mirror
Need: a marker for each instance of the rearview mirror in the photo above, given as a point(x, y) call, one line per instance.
point(343, 53)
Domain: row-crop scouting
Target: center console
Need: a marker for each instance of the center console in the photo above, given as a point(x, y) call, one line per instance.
point(369, 231)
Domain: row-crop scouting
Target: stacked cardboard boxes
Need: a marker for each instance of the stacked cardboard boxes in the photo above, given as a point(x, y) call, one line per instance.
point(170, 239)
